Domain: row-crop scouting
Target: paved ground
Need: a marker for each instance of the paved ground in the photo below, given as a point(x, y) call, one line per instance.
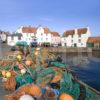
point(3, 92)
point(3, 50)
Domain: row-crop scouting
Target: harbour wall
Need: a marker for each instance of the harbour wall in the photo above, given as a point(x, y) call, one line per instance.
point(69, 50)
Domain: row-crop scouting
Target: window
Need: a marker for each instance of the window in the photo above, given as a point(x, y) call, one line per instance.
point(72, 36)
point(41, 34)
point(79, 40)
point(72, 41)
point(79, 35)
point(12, 38)
point(19, 37)
point(46, 38)
point(27, 34)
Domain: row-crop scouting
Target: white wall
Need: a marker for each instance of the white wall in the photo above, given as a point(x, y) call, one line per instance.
point(56, 40)
point(13, 41)
point(3, 37)
point(43, 37)
point(75, 38)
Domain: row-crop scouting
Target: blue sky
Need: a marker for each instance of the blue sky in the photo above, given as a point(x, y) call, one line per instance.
point(58, 15)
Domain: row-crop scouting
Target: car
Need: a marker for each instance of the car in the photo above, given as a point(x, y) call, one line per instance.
point(55, 45)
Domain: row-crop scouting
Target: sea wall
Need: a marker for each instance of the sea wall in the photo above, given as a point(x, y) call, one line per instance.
point(69, 50)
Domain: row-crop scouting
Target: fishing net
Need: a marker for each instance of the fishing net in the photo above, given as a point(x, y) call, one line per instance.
point(46, 72)
point(90, 95)
point(43, 81)
point(66, 83)
point(45, 76)
point(16, 69)
point(68, 86)
point(8, 67)
point(23, 79)
point(58, 64)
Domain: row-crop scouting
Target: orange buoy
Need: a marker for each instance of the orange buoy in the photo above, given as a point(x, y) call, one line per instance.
point(65, 96)
point(34, 90)
point(28, 63)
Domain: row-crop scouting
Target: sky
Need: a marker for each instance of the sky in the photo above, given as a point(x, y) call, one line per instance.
point(57, 15)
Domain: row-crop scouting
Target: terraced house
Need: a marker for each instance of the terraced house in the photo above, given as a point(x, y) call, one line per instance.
point(38, 34)
point(76, 37)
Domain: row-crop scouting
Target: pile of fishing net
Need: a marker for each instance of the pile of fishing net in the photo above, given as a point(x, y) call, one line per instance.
point(37, 75)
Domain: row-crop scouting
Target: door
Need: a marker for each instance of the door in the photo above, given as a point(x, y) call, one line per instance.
point(75, 45)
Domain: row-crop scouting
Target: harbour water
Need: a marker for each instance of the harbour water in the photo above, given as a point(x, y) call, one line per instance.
point(86, 66)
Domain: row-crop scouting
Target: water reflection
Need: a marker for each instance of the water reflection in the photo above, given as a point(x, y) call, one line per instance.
point(86, 66)
point(75, 59)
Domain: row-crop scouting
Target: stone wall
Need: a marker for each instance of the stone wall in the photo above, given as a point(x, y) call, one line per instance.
point(68, 50)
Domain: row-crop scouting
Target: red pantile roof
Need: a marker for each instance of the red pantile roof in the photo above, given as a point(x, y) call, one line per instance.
point(29, 29)
point(82, 30)
point(93, 40)
point(55, 33)
point(72, 32)
point(46, 30)
point(69, 32)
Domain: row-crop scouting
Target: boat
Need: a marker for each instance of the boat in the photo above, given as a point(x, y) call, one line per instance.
point(36, 74)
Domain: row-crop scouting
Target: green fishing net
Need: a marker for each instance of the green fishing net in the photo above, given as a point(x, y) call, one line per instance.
point(46, 72)
point(23, 79)
point(58, 64)
point(90, 95)
point(68, 86)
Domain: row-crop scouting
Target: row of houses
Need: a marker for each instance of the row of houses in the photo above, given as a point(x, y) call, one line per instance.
point(32, 34)
point(80, 37)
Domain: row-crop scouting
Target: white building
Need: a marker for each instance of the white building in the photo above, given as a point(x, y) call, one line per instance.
point(12, 39)
point(3, 36)
point(43, 35)
point(56, 39)
point(39, 34)
point(28, 33)
point(76, 37)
